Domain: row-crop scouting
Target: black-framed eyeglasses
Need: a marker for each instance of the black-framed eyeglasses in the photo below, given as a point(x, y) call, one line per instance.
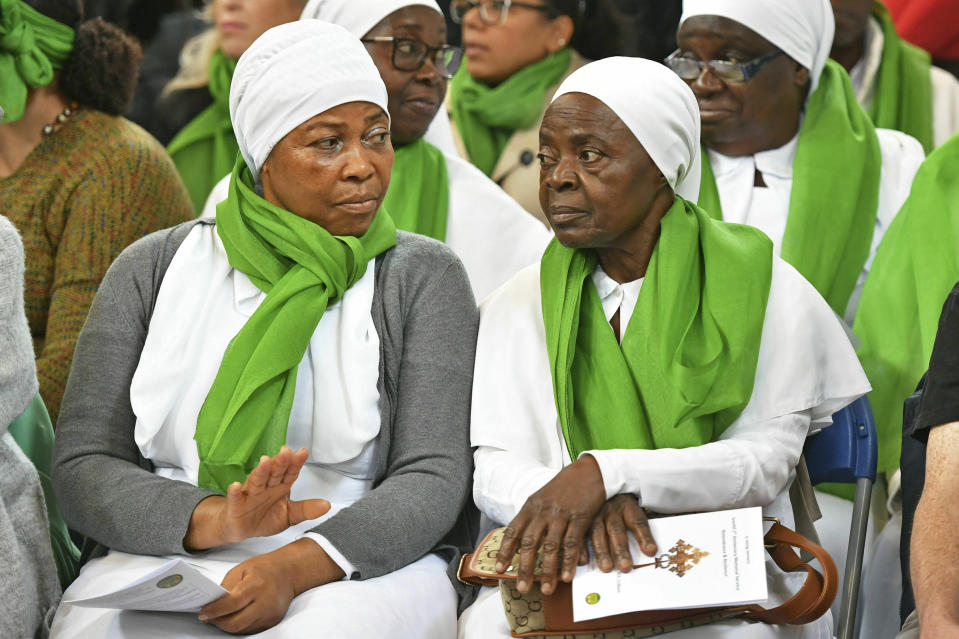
point(492, 12)
point(690, 68)
point(410, 54)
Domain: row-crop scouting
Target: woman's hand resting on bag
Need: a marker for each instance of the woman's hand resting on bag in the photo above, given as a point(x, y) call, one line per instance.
point(559, 516)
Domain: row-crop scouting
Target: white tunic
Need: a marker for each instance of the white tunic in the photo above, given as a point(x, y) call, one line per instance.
point(201, 305)
point(767, 207)
point(492, 235)
point(806, 371)
point(945, 86)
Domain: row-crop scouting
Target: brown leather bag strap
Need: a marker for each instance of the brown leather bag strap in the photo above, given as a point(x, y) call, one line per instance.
point(818, 591)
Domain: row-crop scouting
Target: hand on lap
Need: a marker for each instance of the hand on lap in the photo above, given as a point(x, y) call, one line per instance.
point(556, 518)
point(609, 533)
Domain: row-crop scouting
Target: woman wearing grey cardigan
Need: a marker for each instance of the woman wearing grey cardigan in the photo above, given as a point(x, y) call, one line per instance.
point(300, 321)
point(29, 589)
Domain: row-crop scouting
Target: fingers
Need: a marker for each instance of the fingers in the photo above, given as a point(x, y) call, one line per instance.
point(551, 558)
point(583, 555)
point(235, 600)
point(528, 553)
point(635, 518)
point(601, 544)
point(300, 511)
point(511, 535)
point(574, 552)
point(281, 463)
point(257, 479)
point(618, 541)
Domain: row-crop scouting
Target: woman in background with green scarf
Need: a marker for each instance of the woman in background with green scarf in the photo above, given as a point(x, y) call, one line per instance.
point(656, 358)
point(301, 320)
point(78, 181)
point(894, 80)
point(194, 112)
point(517, 53)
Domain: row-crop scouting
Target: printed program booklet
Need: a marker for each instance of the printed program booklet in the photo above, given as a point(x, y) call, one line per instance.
point(176, 586)
point(703, 560)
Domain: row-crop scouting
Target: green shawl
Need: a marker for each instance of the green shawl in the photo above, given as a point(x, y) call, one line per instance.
point(916, 266)
point(687, 364)
point(835, 191)
point(903, 98)
point(32, 46)
point(419, 193)
point(205, 149)
point(302, 269)
point(486, 117)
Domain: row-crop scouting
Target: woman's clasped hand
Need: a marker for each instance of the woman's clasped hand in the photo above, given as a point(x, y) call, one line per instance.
point(559, 518)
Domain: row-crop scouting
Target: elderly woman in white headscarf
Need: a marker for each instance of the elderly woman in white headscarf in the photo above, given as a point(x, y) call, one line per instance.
point(300, 320)
point(434, 192)
point(656, 358)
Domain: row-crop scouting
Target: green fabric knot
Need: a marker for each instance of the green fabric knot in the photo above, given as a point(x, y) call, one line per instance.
point(32, 46)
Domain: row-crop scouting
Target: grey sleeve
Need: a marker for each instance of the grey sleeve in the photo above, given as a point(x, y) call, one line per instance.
point(429, 466)
point(105, 489)
point(18, 373)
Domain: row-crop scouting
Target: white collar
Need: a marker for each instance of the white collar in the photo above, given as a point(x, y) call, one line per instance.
point(616, 297)
point(866, 71)
point(773, 162)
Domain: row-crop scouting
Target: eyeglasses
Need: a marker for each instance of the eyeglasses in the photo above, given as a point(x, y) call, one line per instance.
point(410, 54)
point(492, 12)
point(690, 69)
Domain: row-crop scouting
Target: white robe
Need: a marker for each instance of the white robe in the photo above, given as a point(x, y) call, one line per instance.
point(492, 235)
point(945, 86)
point(201, 305)
point(767, 207)
point(806, 371)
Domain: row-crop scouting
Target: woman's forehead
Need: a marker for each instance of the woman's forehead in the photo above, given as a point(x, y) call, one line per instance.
point(720, 31)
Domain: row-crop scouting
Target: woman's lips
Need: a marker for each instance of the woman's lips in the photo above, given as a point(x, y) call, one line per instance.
point(427, 106)
point(231, 27)
point(709, 115)
point(359, 205)
point(565, 214)
point(472, 50)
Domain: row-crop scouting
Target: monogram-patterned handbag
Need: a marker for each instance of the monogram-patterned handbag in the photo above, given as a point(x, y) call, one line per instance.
point(537, 615)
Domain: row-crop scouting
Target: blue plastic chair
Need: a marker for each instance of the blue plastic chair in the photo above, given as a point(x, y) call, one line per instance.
point(846, 452)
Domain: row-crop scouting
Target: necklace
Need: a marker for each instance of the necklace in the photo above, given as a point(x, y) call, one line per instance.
point(60, 119)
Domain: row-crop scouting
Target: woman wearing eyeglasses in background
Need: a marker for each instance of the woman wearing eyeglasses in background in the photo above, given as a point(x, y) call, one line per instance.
point(193, 116)
point(517, 54)
point(790, 151)
point(432, 193)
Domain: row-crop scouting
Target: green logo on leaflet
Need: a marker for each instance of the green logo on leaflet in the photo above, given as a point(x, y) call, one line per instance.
point(592, 598)
point(169, 582)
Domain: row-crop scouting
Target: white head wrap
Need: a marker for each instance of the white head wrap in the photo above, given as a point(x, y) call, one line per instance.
point(359, 16)
point(656, 105)
point(803, 29)
point(292, 73)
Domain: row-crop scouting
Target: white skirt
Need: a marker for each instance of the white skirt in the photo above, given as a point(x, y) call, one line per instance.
point(417, 600)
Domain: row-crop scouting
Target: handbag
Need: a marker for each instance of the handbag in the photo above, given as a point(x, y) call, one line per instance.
point(537, 615)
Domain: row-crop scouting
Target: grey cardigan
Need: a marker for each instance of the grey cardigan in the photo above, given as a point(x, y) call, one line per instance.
point(426, 319)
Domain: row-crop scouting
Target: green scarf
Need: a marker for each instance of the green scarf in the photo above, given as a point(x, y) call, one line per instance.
point(205, 149)
point(302, 269)
point(687, 364)
point(32, 46)
point(486, 117)
point(419, 194)
point(903, 98)
point(835, 191)
point(916, 266)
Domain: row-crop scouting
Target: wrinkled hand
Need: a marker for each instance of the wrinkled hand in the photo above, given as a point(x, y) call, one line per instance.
point(259, 507)
point(609, 533)
point(261, 589)
point(557, 517)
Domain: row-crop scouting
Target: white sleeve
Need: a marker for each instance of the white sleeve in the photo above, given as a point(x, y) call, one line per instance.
point(345, 565)
point(749, 465)
point(503, 480)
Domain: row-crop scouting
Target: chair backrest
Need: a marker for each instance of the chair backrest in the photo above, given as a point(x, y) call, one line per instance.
point(847, 450)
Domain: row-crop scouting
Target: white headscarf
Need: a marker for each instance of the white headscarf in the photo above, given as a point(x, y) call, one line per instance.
point(803, 29)
point(656, 105)
point(359, 16)
point(292, 73)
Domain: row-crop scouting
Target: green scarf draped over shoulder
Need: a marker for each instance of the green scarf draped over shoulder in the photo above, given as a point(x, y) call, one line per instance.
point(302, 269)
point(835, 190)
point(916, 266)
point(903, 97)
point(486, 117)
point(205, 149)
point(32, 46)
point(419, 193)
point(687, 363)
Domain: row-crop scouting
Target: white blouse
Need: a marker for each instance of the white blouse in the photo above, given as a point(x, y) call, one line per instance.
point(202, 304)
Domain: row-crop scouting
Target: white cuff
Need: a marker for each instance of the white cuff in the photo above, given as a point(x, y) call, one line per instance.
point(345, 565)
point(617, 477)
